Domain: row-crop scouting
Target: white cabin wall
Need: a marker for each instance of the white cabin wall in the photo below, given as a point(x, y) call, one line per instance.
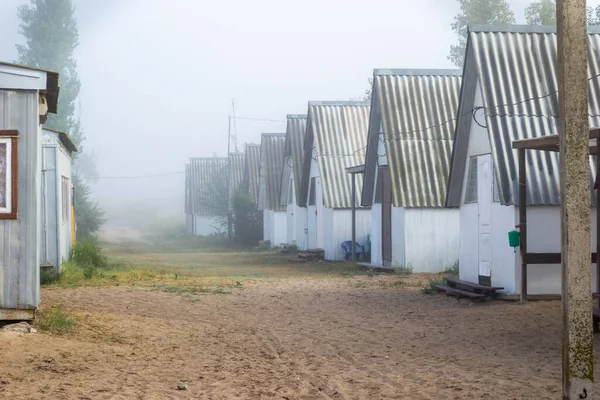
point(338, 228)
point(278, 227)
point(376, 233)
point(398, 236)
point(431, 238)
point(544, 236)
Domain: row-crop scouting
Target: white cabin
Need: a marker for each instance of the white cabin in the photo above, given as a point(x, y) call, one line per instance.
point(336, 138)
point(56, 198)
point(407, 167)
point(509, 94)
point(291, 180)
point(206, 188)
point(271, 166)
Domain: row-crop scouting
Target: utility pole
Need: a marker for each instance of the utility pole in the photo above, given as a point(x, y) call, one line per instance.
point(229, 216)
point(577, 303)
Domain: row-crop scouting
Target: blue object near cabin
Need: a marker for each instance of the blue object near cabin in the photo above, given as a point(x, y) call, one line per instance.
point(347, 246)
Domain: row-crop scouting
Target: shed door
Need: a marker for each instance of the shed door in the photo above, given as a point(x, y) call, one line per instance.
point(386, 214)
point(311, 215)
point(291, 217)
point(484, 199)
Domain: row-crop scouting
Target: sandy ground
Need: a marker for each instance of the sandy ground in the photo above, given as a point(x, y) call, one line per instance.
point(301, 338)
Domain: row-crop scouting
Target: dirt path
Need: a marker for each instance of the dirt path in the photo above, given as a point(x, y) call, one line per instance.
point(305, 338)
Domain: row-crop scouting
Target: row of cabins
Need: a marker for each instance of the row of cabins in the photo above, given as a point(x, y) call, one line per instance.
point(432, 159)
point(36, 209)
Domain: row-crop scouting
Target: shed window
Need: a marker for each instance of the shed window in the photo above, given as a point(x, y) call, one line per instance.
point(312, 196)
point(8, 174)
point(66, 203)
point(471, 192)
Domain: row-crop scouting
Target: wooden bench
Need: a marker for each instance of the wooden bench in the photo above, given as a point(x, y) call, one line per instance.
point(459, 284)
point(459, 292)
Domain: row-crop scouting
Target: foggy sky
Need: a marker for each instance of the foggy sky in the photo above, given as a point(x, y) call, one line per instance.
point(158, 76)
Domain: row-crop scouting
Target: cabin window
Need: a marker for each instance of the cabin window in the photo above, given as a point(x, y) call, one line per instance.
point(8, 174)
point(291, 192)
point(312, 196)
point(66, 203)
point(471, 192)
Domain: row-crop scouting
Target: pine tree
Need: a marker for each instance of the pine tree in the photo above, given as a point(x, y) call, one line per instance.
point(51, 36)
point(495, 12)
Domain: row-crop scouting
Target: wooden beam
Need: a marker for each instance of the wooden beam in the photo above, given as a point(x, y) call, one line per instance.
point(537, 142)
point(523, 221)
point(577, 304)
point(550, 258)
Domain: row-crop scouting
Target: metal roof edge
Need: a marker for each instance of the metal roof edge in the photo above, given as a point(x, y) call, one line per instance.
point(273, 134)
point(339, 103)
point(296, 116)
point(416, 72)
point(208, 158)
point(64, 138)
point(521, 28)
point(48, 71)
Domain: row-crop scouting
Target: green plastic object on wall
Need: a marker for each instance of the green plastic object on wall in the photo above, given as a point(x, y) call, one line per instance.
point(514, 238)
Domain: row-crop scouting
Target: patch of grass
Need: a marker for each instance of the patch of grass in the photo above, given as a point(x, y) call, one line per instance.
point(452, 269)
point(49, 276)
point(56, 320)
point(403, 270)
point(397, 284)
point(188, 291)
point(430, 289)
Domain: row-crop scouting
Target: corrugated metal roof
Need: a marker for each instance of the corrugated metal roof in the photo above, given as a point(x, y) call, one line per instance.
point(415, 111)
point(208, 185)
point(236, 172)
point(251, 168)
point(65, 139)
point(271, 167)
point(338, 133)
point(293, 154)
point(516, 67)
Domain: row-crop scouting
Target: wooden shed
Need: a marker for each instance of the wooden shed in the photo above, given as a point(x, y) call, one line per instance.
point(56, 198)
point(27, 95)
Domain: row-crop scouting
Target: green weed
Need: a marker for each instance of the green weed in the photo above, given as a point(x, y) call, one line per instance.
point(56, 320)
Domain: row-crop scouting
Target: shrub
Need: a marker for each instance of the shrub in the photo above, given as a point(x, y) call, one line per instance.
point(56, 320)
point(403, 270)
point(452, 269)
point(431, 289)
point(88, 253)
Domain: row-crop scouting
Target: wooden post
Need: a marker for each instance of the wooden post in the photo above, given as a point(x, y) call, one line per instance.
point(523, 221)
point(578, 345)
point(353, 217)
point(598, 222)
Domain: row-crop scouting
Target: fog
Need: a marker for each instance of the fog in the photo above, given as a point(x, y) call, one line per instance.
point(158, 76)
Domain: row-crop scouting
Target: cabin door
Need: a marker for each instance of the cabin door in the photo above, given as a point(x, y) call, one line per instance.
point(386, 214)
point(291, 217)
point(484, 200)
point(312, 214)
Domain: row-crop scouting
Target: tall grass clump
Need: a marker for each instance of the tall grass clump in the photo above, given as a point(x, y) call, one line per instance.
point(88, 256)
point(49, 276)
point(403, 269)
point(56, 320)
point(452, 269)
